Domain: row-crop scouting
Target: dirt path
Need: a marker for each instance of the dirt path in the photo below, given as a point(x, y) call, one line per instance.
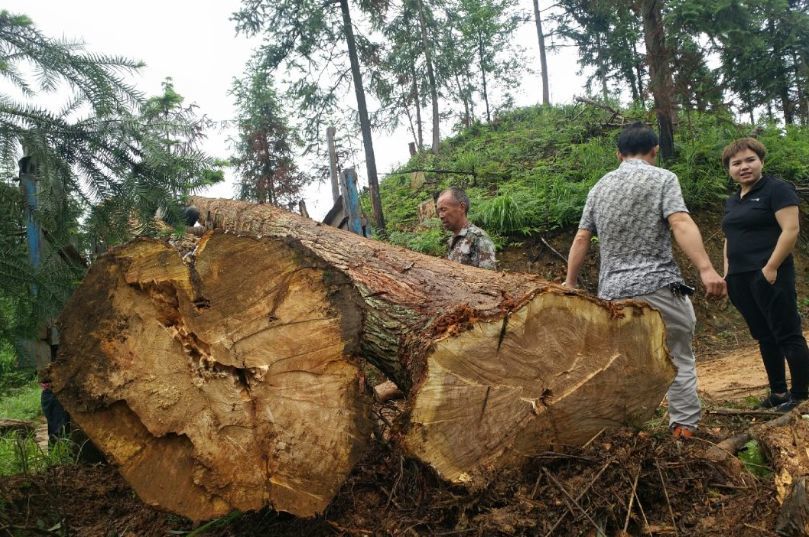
point(733, 376)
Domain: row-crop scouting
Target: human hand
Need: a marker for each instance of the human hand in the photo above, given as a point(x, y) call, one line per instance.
point(769, 274)
point(715, 285)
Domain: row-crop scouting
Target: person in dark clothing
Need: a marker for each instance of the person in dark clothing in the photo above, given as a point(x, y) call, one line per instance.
point(761, 228)
point(57, 417)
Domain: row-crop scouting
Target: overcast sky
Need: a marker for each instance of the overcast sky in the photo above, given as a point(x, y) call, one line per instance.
point(195, 43)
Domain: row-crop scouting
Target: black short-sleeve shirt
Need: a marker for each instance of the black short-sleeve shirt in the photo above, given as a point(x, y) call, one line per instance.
point(750, 226)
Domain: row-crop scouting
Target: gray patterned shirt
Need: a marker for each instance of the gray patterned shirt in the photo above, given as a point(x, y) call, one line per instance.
point(472, 246)
point(628, 210)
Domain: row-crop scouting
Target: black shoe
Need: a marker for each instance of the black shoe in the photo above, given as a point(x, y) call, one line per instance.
point(774, 400)
point(786, 406)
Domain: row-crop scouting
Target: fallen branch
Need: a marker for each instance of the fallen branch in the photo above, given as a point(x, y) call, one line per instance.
point(728, 447)
point(742, 412)
point(666, 493)
point(631, 500)
point(579, 497)
point(8, 425)
point(573, 500)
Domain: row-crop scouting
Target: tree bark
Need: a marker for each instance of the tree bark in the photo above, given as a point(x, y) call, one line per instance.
point(417, 102)
point(543, 62)
point(602, 69)
point(467, 118)
point(428, 56)
point(661, 83)
point(504, 357)
point(638, 70)
point(780, 72)
point(365, 123)
point(232, 382)
point(483, 75)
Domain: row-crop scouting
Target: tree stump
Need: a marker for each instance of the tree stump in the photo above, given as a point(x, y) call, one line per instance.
point(232, 382)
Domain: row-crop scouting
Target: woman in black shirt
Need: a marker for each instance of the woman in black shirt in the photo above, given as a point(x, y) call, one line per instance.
point(761, 229)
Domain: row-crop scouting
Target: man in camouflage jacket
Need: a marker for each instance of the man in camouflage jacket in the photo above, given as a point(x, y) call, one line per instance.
point(469, 245)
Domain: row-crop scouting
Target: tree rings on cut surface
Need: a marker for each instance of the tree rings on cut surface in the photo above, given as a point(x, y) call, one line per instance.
point(555, 371)
point(226, 385)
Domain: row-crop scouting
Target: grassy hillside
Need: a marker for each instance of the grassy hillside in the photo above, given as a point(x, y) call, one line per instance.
point(529, 171)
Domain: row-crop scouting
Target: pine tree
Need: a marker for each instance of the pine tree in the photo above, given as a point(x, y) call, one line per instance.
point(263, 148)
point(308, 38)
point(93, 155)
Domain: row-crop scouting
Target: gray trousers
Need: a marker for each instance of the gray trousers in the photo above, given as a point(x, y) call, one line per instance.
point(678, 315)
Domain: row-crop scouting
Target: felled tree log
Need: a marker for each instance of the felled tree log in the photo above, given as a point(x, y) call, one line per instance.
point(232, 383)
point(497, 366)
point(226, 385)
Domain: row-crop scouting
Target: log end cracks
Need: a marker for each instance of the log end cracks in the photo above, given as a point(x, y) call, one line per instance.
point(249, 401)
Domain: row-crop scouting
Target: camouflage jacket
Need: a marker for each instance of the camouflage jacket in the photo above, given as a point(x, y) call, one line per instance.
point(472, 246)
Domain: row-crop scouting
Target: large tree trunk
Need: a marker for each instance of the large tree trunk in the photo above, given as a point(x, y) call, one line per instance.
point(543, 61)
point(428, 57)
point(417, 102)
point(232, 382)
point(482, 56)
point(365, 123)
point(661, 83)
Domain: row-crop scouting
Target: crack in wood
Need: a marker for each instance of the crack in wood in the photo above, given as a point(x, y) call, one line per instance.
point(485, 403)
point(502, 332)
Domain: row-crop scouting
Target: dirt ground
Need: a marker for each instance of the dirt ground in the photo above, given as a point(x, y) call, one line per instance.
point(621, 483)
point(643, 483)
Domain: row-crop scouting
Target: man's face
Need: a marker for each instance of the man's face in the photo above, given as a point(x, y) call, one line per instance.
point(745, 167)
point(451, 213)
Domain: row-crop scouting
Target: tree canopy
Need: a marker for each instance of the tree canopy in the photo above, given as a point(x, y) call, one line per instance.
point(102, 159)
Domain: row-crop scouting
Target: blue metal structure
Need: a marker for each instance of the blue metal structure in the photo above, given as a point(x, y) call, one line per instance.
point(33, 231)
point(351, 200)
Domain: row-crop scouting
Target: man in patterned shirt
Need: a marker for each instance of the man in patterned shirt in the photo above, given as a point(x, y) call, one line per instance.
point(469, 244)
point(634, 210)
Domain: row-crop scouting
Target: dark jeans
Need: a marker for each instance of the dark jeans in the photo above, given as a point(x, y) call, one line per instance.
point(771, 312)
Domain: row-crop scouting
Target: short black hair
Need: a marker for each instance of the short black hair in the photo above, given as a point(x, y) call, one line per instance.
point(459, 195)
point(637, 139)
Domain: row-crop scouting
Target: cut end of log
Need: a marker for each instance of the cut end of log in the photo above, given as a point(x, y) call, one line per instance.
point(556, 371)
point(226, 385)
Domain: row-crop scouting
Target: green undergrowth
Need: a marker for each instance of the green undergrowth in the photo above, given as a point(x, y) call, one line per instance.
point(754, 460)
point(20, 399)
point(21, 403)
point(20, 454)
point(11, 376)
point(529, 171)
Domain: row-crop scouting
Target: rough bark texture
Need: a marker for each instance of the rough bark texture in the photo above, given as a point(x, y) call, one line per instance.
point(232, 384)
point(497, 365)
point(661, 83)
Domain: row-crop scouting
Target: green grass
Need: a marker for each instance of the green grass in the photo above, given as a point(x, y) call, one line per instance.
point(529, 171)
point(11, 376)
point(20, 454)
point(22, 403)
point(20, 399)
